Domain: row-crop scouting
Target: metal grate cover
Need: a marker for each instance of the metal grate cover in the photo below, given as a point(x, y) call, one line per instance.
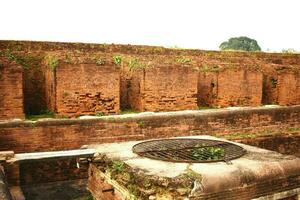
point(189, 150)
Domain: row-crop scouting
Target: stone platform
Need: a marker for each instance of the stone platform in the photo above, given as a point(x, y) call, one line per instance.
point(118, 173)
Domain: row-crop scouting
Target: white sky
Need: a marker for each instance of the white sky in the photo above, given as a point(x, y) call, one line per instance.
point(203, 24)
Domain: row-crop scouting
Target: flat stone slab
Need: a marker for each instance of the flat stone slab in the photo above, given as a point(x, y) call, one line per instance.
point(259, 173)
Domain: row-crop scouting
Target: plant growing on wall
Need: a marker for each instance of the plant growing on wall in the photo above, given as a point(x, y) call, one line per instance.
point(134, 64)
point(100, 61)
point(117, 60)
point(183, 60)
point(52, 62)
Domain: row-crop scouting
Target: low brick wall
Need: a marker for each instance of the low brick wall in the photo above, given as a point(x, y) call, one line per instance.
point(11, 90)
point(60, 134)
point(285, 144)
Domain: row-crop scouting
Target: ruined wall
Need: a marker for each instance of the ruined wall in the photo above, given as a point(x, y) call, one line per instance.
point(78, 88)
point(239, 87)
point(147, 93)
point(288, 87)
point(87, 89)
point(285, 144)
point(207, 88)
point(230, 87)
point(11, 90)
point(70, 134)
point(165, 88)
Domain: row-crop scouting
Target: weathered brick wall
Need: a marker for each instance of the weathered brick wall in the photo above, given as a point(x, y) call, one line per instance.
point(207, 88)
point(231, 87)
point(165, 88)
point(285, 144)
point(75, 87)
point(11, 90)
point(70, 134)
point(288, 87)
point(30, 54)
point(87, 89)
point(136, 90)
point(239, 87)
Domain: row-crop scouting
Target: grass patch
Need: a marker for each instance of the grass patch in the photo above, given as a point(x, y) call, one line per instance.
point(45, 114)
point(135, 63)
point(234, 136)
point(206, 107)
point(128, 111)
point(293, 129)
point(210, 68)
point(184, 60)
point(99, 114)
point(118, 166)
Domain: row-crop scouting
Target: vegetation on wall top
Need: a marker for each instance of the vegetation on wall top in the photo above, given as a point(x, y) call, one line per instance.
point(51, 61)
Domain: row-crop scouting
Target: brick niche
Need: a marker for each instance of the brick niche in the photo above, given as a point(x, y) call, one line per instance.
point(164, 88)
point(288, 88)
point(11, 90)
point(74, 89)
point(230, 87)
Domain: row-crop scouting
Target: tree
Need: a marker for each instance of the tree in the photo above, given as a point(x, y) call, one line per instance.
point(241, 44)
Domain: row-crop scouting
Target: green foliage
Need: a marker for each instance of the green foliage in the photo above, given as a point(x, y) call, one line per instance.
point(25, 61)
point(141, 124)
point(99, 114)
point(241, 44)
point(209, 68)
point(118, 166)
point(208, 153)
point(274, 82)
point(293, 129)
point(117, 60)
point(128, 111)
point(183, 60)
point(43, 114)
point(51, 61)
point(100, 61)
point(134, 64)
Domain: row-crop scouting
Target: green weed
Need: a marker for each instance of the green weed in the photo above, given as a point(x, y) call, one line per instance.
point(117, 60)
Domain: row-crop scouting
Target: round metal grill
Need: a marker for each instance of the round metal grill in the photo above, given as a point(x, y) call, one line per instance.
point(189, 150)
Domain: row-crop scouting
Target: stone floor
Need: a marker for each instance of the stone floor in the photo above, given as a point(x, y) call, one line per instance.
point(64, 190)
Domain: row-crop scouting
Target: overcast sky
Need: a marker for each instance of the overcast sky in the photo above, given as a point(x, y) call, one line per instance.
point(275, 24)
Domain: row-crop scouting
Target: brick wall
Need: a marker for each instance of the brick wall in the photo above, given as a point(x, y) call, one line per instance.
point(230, 88)
point(164, 88)
point(70, 134)
point(288, 87)
point(239, 87)
point(11, 90)
point(73, 89)
point(150, 94)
